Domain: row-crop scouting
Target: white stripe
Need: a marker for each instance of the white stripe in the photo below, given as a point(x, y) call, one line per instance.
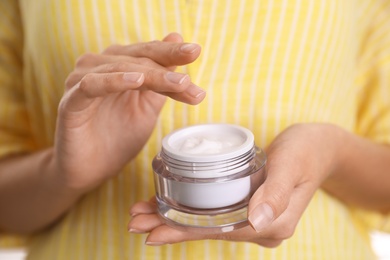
point(291, 104)
point(163, 21)
point(207, 250)
point(210, 35)
point(220, 49)
point(68, 63)
point(183, 69)
point(232, 57)
point(136, 20)
point(178, 16)
point(125, 27)
point(286, 61)
point(198, 21)
point(109, 21)
point(252, 103)
point(268, 81)
point(132, 193)
point(108, 210)
point(96, 23)
point(320, 70)
point(329, 69)
point(84, 24)
point(122, 212)
point(149, 16)
point(71, 27)
point(254, 83)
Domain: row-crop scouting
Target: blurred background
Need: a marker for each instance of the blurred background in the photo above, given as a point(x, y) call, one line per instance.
point(380, 244)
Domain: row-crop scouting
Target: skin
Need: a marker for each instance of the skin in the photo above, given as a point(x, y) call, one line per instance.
point(109, 109)
point(302, 159)
point(123, 89)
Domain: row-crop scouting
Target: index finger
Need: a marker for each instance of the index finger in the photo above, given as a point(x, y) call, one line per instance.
point(164, 53)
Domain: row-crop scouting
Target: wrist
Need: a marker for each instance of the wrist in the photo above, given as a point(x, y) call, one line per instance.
point(54, 180)
point(321, 148)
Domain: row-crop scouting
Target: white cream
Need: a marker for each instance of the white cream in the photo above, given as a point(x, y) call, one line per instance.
point(210, 144)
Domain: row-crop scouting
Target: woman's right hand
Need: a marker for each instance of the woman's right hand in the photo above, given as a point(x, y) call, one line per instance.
point(111, 103)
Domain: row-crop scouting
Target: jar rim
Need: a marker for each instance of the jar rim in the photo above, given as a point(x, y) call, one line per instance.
point(171, 141)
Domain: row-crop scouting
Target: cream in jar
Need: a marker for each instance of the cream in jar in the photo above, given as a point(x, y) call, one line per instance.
point(205, 176)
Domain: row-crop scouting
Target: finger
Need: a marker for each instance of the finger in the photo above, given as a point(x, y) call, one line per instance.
point(91, 60)
point(143, 223)
point(284, 226)
point(175, 85)
point(173, 37)
point(94, 85)
point(164, 53)
point(97, 63)
point(143, 207)
point(272, 198)
point(158, 80)
point(164, 234)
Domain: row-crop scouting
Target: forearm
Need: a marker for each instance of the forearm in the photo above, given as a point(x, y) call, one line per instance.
point(31, 196)
point(362, 176)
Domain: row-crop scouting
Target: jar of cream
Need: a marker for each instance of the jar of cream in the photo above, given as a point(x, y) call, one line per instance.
point(205, 175)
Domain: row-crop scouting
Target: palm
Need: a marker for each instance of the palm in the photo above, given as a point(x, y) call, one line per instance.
point(112, 104)
point(111, 131)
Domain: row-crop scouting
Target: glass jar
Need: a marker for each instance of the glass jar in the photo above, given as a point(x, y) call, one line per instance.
point(205, 175)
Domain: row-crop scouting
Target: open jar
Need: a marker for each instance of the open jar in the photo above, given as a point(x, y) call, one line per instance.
point(205, 175)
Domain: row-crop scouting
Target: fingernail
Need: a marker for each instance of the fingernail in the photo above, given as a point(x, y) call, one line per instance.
point(195, 91)
point(150, 243)
point(134, 77)
point(189, 48)
point(261, 217)
point(176, 78)
point(137, 231)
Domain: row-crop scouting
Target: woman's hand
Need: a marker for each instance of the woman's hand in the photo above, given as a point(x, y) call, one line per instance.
point(299, 160)
point(111, 104)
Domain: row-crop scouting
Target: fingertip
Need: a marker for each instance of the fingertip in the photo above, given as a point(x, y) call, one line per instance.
point(198, 99)
point(196, 92)
point(164, 234)
point(142, 207)
point(173, 37)
point(190, 48)
point(261, 217)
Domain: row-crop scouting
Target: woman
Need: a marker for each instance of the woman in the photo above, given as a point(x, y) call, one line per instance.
point(309, 79)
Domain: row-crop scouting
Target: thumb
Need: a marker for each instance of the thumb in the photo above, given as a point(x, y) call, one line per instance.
point(272, 198)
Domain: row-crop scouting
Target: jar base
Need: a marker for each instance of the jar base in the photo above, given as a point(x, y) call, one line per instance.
point(211, 221)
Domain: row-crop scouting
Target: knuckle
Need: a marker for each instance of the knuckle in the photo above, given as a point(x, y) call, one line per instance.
point(285, 231)
point(149, 46)
point(84, 83)
point(146, 62)
point(70, 80)
point(107, 80)
point(279, 195)
point(152, 74)
point(85, 59)
point(120, 66)
point(112, 49)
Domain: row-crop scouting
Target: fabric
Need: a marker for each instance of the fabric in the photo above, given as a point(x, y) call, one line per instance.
point(265, 65)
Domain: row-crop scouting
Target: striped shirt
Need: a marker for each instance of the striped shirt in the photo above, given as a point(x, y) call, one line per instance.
point(265, 64)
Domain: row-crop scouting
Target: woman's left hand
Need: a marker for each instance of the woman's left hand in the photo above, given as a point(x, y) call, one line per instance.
point(299, 160)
